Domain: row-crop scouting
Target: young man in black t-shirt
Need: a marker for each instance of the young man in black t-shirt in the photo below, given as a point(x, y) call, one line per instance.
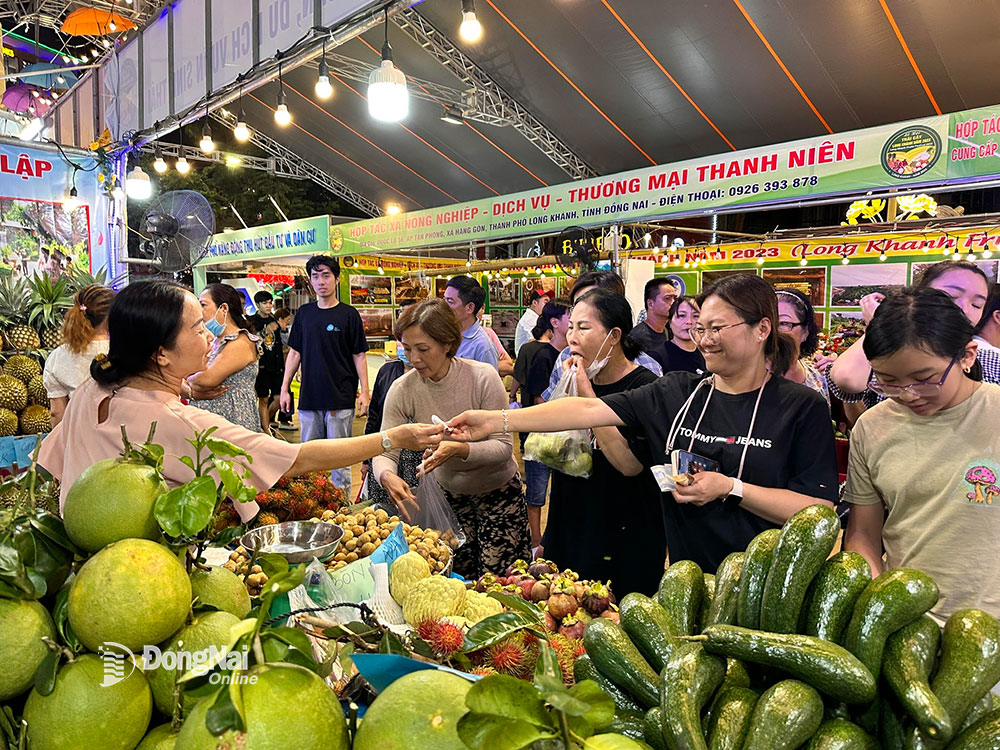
point(658, 295)
point(328, 341)
point(271, 364)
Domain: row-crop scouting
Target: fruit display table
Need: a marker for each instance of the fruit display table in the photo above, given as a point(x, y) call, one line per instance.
point(17, 449)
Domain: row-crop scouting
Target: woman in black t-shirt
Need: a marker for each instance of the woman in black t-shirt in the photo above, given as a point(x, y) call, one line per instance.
point(585, 532)
point(680, 352)
point(772, 438)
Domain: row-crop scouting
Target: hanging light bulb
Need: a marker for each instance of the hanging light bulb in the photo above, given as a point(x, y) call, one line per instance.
point(664, 242)
point(882, 256)
point(804, 262)
point(181, 165)
point(241, 132)
point(388, 99)
point(987, 254)
point(845, 260)
point(206, 144)
point(137, 184)
point(470, 30)
point(72, 202)
point(760, 261)
point(112, 25)
point(281, 115)
point(956, 255)
point(646, 239)
point(60, 78)
point(106, 42)
point(324, 90)
point(392, 209)
point(158, 164)
point(381, 271)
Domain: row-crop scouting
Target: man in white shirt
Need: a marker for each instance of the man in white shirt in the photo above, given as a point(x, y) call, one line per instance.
point(988, 330)
point(536, 302)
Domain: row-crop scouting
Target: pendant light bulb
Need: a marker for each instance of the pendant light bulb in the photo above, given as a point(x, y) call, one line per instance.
point(470, 30)
point(324, 89)
point(138, 185)
point(241, 132)
point(182, 165)
point(388, 99)
point(281, 115)
point(72, 202)
point(158, 163)
point(206, 144)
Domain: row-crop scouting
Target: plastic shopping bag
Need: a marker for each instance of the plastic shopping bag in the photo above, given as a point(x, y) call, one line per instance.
point(568, 451)
point(435, 511)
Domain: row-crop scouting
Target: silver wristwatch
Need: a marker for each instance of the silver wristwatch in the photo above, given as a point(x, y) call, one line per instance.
point(386, 441)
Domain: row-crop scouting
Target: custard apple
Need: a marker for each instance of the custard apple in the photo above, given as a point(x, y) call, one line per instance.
point(433, 598)
point(479, 606)
point(405, 571)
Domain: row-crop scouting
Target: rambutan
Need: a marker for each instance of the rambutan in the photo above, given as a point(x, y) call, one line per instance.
point(279, 497)
point(299, 490)
point(506, 657)
point(566, 653)
point(427, 628)
point(447, 638)
point(483, 671)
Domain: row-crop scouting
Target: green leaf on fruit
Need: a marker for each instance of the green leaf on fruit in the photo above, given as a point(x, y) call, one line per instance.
point(495, 628)
point(486, 732)
point(272, 564)
point(45, 675)
point(223, 714)
point(514, 602)
point(548, 675)
point(510, 698)
point(188, 509)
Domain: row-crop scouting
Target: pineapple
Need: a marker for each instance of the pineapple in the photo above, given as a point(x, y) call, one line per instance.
point(80, 277)
point(49, 302)
point(15, 307)
point(35, 419)
point(22, 367)
point(37, 394)
point(13, 394)
point(8, 423)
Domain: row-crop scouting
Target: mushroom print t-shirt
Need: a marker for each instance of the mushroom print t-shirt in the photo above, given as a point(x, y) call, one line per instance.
point(939, 477)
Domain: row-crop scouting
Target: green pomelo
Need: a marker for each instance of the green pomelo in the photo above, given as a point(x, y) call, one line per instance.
point(23, 624)
point(209, 629)
point(134, 592)
point(112, 500)
point(288, 708)
point(222, 589)
point(83, 714)
point(160, 738)
point(420, 709)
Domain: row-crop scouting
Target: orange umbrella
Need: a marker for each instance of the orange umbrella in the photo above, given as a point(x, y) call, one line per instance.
point(94, 22)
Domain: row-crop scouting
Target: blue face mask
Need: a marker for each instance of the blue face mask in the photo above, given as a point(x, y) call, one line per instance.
point(401, 353)
point(215, 327)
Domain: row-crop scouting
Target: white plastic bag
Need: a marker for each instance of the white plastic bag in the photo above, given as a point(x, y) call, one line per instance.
point(567, 451)
point(435, 512)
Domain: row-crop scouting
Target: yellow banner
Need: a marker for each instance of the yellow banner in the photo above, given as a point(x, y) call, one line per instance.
point(895, 245)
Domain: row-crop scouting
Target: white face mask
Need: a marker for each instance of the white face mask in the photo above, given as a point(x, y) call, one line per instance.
point(598, 364)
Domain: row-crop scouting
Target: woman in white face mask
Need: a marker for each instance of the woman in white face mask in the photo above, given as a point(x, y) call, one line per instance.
point(760, 447)
point(226, 386)
point(626, 546)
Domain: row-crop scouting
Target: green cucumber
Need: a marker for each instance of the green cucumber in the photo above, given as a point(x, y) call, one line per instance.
point(727, 590)
point(970, 662)
point(584, 669)
point(649, 627)
point(983, 735)
point(706, 600)
point(831, 597)
point(907, 662)
point(619, 660)
point(841, 734)
point(731, 719)
point(680, 593)
point(652, 729)
point(628, 724)
point(826, 666)
point(805, 542)
point(785, 717)
point(890, 725)
point(894, 599)
point(688, 681)
point(760, 553)
point(736, 677)
point(978, 711)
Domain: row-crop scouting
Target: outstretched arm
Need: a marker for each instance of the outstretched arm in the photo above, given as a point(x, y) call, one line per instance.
point(572, 413)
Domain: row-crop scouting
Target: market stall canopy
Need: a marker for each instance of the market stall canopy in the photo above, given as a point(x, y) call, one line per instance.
point(629, 83)
point(95, 22)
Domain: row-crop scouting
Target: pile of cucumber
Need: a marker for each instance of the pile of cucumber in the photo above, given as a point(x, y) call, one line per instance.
point(787, 647)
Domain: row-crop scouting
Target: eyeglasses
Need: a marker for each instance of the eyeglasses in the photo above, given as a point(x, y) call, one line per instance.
point(788, 326)
point(914, 389)
point(699, 332)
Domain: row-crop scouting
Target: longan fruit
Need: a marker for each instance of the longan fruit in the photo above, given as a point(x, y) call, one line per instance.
point(352, 557)
point(351, 544)
point(367, 549)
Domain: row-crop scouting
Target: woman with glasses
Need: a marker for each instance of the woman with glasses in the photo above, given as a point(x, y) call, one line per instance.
point(928, 454)
point(796, 318)
point(771, 438)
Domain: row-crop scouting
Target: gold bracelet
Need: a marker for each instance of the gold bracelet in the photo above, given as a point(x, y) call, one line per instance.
point(506, 425)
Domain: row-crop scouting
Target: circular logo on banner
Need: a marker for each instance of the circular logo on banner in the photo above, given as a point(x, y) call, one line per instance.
point(911, 152)
point(678, 283)
point(347, 261)
point(336, 239)
point(573, 240)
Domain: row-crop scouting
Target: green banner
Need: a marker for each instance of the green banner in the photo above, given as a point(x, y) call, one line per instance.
point(299, 237)
point(909, 154)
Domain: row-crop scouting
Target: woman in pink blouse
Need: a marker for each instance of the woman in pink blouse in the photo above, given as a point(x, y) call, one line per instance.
point(158, 338)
